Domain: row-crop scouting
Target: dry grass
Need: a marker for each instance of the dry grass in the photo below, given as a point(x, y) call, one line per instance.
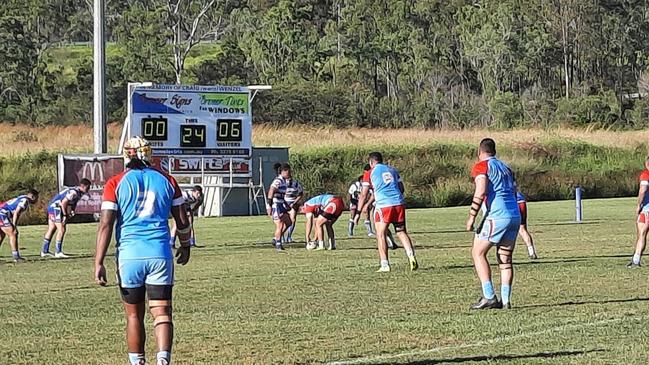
point(78, 138)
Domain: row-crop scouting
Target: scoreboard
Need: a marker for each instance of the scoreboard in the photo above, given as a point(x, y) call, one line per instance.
point(212, 124)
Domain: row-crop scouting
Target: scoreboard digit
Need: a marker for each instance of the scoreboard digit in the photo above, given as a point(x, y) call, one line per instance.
point(154, 129)
point(228, 130)
point(192, 135)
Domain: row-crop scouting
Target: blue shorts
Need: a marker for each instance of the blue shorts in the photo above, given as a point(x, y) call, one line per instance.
point(500, 230)
point(278, 211)
point(55, 214)
point(5, 220)
point(141, 272)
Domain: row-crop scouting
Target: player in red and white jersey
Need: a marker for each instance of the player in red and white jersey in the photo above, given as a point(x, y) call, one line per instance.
point(522, 231)
point(642, 221)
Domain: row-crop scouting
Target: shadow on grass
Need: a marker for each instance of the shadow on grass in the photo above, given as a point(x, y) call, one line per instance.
point(452, 360)
point(585, 302)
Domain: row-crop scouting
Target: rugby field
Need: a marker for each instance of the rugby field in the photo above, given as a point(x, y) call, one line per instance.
point(240, 302)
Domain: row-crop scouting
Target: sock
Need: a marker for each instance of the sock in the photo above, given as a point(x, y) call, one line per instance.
point(164, 355)
point(332, 243)
point(277, 242)
point(192, 241)
point(46, 245)
point(321, 244)
point(59, 246)
point(636, 258)
point(351, 227)
point(531, 251)
point(15, 254)
point(505, 293)
point(136, 358)
point(488, 290)
point(389, 240)
point(385, 263)
point(289, 233)
point(368, 225)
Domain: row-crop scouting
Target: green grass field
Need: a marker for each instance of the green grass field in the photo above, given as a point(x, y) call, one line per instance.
point(240, 302)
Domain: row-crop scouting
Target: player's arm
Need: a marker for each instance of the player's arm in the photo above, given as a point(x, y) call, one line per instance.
point(104, 235)
point(183, 231)
point(476, 201)
point(65, 205)
point(308, 223)
point(269, 199)
point(642, 192)
point(363, 197)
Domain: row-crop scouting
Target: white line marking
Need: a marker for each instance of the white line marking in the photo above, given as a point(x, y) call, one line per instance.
point(370, 359)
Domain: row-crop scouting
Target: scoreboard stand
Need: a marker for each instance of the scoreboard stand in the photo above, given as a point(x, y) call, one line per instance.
point(198, 133)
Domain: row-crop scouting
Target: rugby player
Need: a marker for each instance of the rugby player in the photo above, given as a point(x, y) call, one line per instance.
point(323, 210)
point(495, 186)
point(354, 192)
point(139, 200)
point(390, 209)
point(276, 206)
point(642, 211)
point(293, 196)
point(59, 209)
point(525, 234)
point(366, 201)
point(10, 212)
point(193, 200)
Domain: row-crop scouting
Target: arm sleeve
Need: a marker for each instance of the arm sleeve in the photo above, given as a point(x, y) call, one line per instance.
point(479, 169)
point(71, 195)
point(644, 178)
point(109, 198)
point(23, 203)
point(367, 179)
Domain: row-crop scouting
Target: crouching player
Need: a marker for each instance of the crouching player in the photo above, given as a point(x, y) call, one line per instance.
point(494, 185)
point(525, 234)
point(10, 212)
point(193, 200)
point(138, 202)
point(59, 209)
point(323, 210)
point(390, 209)
point(642, 221)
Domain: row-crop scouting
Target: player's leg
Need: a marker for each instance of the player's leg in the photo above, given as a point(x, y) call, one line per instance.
point(389, 238)
point(382, 246)
point(60, 235)
point(353, 205)
point(292, 214)
point(479, 253)
point(278, 220)
point(331, 235)
point(47, 239)
point(131, 277)
point(504, 253)
point(405, 239)
point(368, 220)
point(320, 223)
point(159, 285)
point(192, 238)
point(642, 227)
point(172, 233)
point(12, 233)
point(529, 241)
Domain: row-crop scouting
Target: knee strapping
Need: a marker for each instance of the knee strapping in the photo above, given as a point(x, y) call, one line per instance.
point(162, 319)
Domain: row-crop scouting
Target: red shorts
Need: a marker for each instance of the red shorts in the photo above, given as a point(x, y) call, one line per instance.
point(395, 214)
point(333, 209)
point(523, 209)
point(643, 217)
point(307, 208)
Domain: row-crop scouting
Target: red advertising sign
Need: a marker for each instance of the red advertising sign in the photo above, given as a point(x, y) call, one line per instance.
point(97, 169)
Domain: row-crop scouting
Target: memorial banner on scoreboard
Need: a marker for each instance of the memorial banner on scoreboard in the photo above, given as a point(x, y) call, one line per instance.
point(193, 121)
point(97, 169)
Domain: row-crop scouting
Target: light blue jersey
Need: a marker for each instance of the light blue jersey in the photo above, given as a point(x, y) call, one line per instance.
point(143, 199)
point(319, 200)
point(385, 181)
point(500, 199)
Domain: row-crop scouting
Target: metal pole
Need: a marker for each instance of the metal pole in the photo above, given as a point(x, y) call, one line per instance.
point(99, 99)
point(578, 206)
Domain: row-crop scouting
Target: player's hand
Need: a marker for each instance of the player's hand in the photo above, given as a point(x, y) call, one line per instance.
point(269, 211)
point(182, 255)
point(638, 210)
point(100, 275)
point(469, 223)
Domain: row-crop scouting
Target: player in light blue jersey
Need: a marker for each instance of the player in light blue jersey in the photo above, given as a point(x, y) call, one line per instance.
point(137, 203)
point(495, 187)
point(10, 212)
point(390, 209)
point(59, 209)
point(323, 210)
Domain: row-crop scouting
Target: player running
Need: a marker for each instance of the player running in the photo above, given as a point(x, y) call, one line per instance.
point(193, 200)
point(293, 196)
point(276, 206)
point(642, 211)
point(525, 234)
point(390, 209)
point(139, 200)
point(10, 212)
point(323, 210)
point(495, 186)
point(59, 209)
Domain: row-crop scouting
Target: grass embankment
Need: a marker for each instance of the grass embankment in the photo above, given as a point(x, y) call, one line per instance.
point(435, 165)
point(239, 302)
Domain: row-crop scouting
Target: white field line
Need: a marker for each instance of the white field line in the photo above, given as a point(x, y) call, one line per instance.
point(568, 327)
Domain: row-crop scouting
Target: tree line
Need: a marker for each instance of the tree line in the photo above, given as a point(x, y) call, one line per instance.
point(388, 63)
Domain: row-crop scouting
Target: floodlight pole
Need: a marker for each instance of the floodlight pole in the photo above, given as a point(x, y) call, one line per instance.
point(99, 79)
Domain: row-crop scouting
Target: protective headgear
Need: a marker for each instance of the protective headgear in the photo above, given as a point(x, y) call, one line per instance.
point(137, 148)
